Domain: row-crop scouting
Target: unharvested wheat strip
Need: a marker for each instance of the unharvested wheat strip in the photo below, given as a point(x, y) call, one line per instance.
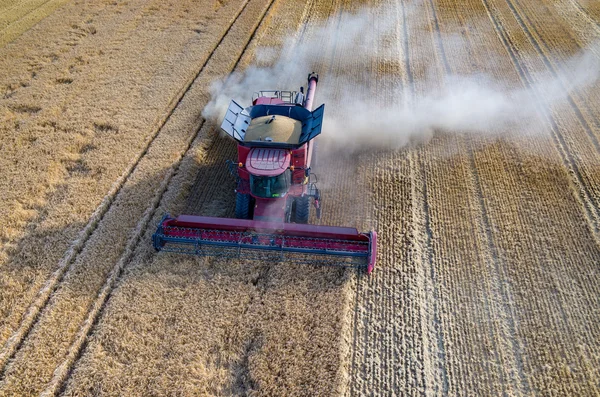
point(246, 17)
point(216, 176)
point(65, 368)
point(43, 295)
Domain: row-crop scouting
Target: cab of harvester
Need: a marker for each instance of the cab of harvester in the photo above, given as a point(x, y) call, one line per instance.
point(275, 139)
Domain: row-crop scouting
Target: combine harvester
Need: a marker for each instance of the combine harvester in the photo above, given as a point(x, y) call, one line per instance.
point(276, 140)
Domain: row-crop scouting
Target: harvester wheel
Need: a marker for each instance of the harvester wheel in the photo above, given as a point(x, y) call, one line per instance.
point(302, 209)
point(242, 206)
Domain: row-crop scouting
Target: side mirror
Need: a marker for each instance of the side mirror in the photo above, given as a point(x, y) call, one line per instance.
point(307, 172)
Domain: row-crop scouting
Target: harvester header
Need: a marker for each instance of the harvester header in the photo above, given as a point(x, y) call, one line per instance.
point(274, 192)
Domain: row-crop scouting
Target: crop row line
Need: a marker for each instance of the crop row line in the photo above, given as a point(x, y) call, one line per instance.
point(43, 296)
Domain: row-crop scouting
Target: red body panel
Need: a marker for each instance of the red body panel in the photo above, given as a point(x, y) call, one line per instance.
point(267, 162)
point(270, 210)
point(285, 229)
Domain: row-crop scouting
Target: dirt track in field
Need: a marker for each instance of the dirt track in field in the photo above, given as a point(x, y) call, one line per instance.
point(487, 279)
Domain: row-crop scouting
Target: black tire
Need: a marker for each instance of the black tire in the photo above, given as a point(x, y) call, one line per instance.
point(242, 206)
point(302, 209)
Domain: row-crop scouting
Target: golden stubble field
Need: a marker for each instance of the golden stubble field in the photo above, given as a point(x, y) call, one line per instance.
point(487, 280)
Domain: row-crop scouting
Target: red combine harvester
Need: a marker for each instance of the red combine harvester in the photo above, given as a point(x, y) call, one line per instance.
point(276, 140)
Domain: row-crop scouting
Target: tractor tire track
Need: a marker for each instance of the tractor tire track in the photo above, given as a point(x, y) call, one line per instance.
point(43, 296)
point(62, 373)
point(429, 253)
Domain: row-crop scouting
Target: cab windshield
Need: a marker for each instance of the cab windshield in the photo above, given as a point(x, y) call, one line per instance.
point(270, 186)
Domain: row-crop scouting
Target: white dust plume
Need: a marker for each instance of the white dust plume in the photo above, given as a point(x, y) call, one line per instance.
point(410, 106)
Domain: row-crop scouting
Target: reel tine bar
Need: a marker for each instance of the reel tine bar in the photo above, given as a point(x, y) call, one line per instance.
point(201, 235)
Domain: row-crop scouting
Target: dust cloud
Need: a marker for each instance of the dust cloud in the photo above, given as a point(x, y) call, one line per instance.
point(357, 114)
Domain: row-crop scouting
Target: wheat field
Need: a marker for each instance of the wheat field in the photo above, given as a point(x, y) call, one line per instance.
point(487, 281)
